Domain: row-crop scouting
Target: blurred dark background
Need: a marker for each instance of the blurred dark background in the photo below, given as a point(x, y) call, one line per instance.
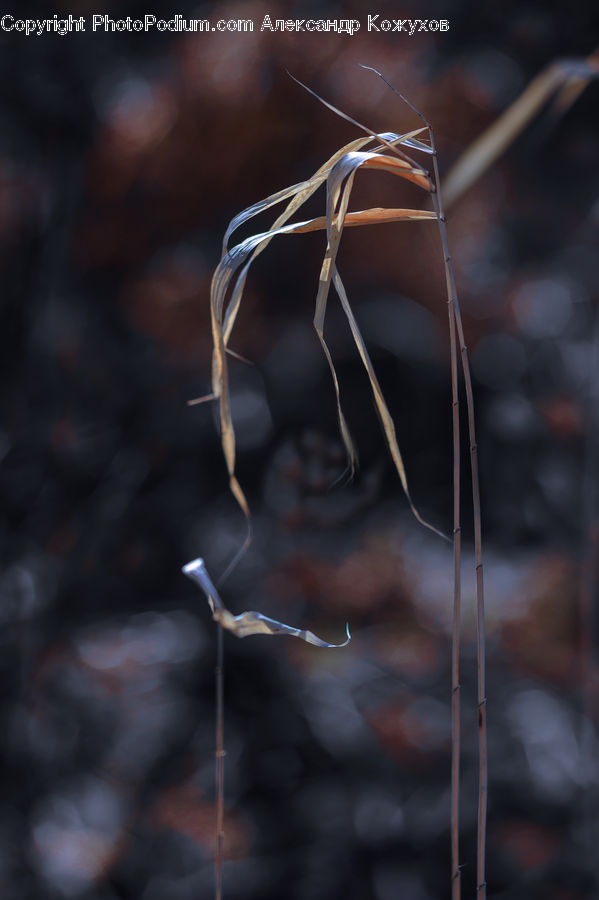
point(122, 159)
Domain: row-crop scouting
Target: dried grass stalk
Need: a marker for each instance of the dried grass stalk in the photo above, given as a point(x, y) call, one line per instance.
point(568, 78)
point(339, 172)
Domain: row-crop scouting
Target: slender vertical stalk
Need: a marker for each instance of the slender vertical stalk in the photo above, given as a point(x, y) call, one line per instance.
point(456, 880)
point(481, 887)
point(220, 768)
point(456, 888)
point(455, 325)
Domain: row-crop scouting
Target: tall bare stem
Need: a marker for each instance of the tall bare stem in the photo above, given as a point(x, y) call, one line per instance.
point(220, 768)
point(481, 886)
point(455, 335)
point(456, 326)
point(456, 886)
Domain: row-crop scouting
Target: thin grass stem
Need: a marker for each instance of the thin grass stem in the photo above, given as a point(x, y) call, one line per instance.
point(456, 880)
point(220, 767)
point(455, 326)
point(481, 841)
point(481, 886)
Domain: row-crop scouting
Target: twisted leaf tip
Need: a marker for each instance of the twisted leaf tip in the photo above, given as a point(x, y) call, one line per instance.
point(248, 623)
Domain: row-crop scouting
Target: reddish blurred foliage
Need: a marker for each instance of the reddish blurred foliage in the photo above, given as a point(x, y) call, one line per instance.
point(527, 844)
point(148, 125)
point(182, 808)
point(564, 415)
point(363, 584)
point(410, 651)
point(410, 731)
point(165, 304)
point(543, 641)
point(139, 120)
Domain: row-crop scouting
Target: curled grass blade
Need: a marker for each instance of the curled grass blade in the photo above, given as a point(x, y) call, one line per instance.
point(299, 194)
point(242, 256)
point(381, 406)
point(248, 623)
point(236, 262)
point(339, 186)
